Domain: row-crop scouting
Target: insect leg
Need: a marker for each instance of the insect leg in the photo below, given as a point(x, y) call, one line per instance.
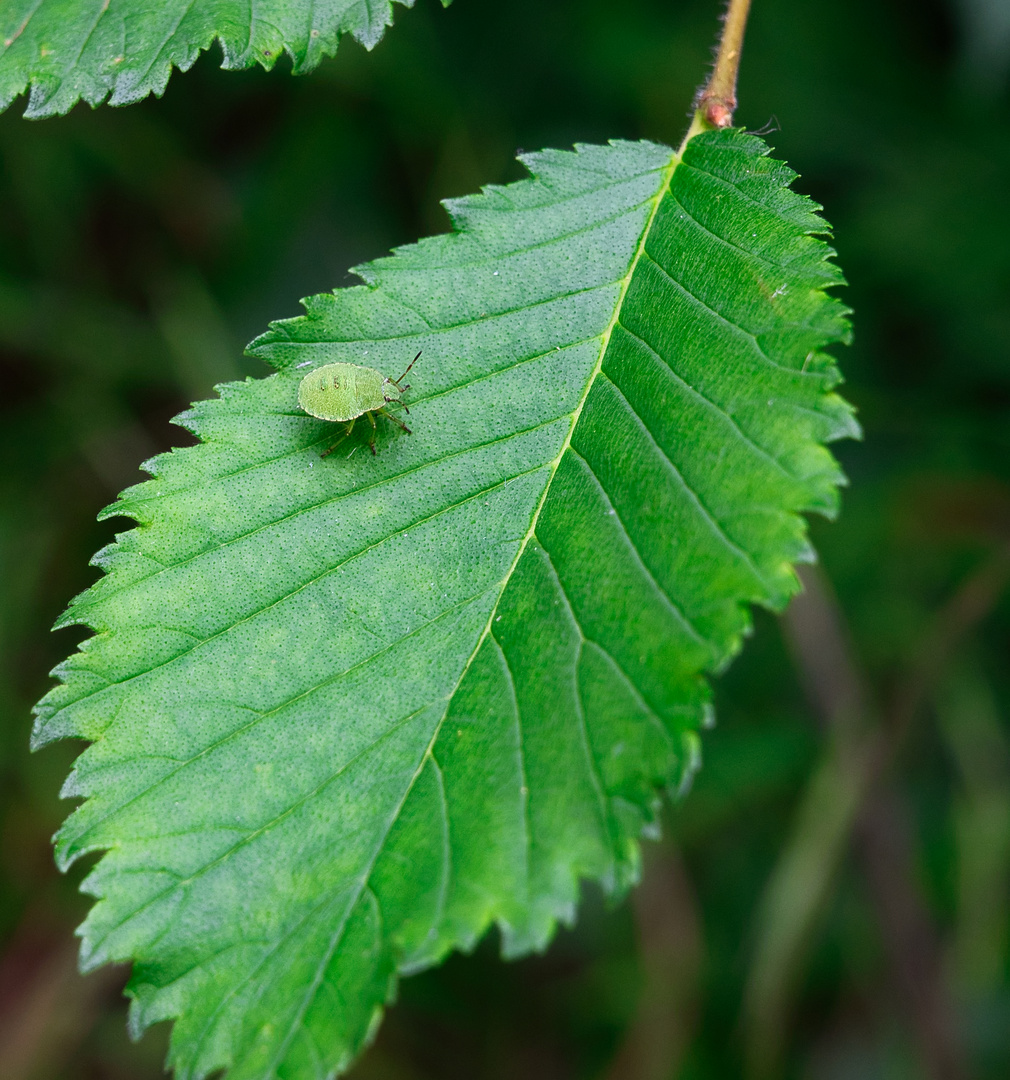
point(399, 423)
point(398, 402)
point(371, 441)
point(326, 453)
point(347, 431)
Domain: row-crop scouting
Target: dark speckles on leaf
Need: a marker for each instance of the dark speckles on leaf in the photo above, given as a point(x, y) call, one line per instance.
point(549, 565)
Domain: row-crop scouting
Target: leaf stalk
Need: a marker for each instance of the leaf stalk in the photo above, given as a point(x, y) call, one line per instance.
point(716, 100)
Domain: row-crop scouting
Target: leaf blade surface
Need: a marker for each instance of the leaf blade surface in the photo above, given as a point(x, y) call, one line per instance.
point(70, 50)
point(348, 713)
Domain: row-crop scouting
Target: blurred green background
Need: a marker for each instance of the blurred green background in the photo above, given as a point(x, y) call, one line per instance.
point(859, 773)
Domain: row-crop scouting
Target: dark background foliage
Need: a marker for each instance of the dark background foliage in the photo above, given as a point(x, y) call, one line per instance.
point(141, 248)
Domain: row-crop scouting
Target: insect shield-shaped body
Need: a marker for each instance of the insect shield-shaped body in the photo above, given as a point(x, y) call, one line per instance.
point(343, 392)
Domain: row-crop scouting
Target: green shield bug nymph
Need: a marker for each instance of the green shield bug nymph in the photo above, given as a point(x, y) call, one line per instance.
point(343, 392)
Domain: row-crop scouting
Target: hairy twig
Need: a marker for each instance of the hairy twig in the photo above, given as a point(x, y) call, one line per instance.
point(717, 99)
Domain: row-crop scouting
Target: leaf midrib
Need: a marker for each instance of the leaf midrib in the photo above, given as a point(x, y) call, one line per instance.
point(605, 342)
point(553, 466)
point(577, 413)
point(111, 683)
point(605, 337)
point(308, 509)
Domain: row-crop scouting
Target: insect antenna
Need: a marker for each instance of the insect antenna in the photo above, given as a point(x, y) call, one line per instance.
point(409, 366)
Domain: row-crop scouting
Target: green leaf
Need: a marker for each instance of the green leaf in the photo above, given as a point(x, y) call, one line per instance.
point(347, 713)
point(66, 50)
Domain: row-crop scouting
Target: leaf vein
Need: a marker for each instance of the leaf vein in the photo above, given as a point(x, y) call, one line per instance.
point(559, 238)
point(305, 584)
point(22, 28)
point(260, 716)
point(168, 37)
point(695, 392)
point(790, 265)
point(524, 796)
point(722, 318)
point(481, 320)
point(330, 501)
point(260, 830)
point(633, 690)
point(593, 766)
point(783, 218)
point(708, 516)
point(680, 616)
